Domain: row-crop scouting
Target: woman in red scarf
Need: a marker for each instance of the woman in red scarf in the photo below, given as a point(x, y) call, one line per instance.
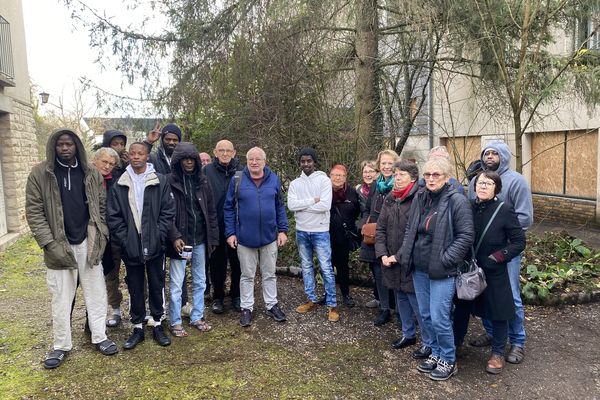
point(389, 237)
point(345, 209)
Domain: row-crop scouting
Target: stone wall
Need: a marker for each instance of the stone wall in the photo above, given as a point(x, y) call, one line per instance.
point(18, 147)
point(562, 209)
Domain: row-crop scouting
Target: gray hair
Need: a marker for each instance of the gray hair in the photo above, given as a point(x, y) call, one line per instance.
point(261, 151)
point(441, 163)
point(439, 151)
point(108, 151)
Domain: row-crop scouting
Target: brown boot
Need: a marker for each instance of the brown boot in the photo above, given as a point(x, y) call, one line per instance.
point(495, 364)
point(306, 307)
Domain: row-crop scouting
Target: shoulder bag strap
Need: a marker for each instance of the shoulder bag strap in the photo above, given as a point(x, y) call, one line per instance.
point(486, 227)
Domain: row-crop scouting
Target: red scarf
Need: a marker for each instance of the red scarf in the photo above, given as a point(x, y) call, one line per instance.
point(401, 194)
point(364, 189)
point(339, 194)
point(107, 178)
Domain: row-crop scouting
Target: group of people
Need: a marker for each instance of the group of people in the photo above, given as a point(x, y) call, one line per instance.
point(139, 207)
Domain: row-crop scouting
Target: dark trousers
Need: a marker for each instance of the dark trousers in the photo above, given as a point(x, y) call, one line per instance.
point(339, 258)
point(154, 271)
point(218, 271)
point(460, 325)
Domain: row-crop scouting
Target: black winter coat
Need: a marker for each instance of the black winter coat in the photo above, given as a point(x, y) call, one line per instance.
point(159, 159)
point(348, 213)
point(219, 177)
point(204, 196)
point(450, 244)
point(505, 235)
point(391, 227)
point(137, 245)
point(371, 214)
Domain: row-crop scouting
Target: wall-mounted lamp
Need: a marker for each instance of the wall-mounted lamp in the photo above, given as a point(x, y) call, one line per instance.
point(44, 96)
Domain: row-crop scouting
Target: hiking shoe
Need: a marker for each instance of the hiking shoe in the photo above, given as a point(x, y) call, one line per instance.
point(384, 317)
point(107, 347)
point(372, 303)
point(276, 313)
point(306, 307)
point(443, 371)
point(428, 365)
point(495, 364)
point(515, 355)
point(217, 306)
point(246, 317)
point(482, 340)
point(235, 304)
point(332, 314)
point(348, 301)
point(422, 352)
point(136, 337)
point(159, 335)
point(54, 359)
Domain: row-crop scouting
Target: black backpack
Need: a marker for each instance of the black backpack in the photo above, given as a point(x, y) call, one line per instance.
point(473, 169)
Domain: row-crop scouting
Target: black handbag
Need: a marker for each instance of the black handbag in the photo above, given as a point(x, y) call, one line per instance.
point(470, 283)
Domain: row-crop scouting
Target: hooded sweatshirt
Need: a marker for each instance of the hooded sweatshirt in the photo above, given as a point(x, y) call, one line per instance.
point(515, 190)
point(311, 216)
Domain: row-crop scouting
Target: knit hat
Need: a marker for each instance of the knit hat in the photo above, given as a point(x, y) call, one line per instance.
point(171, 128)
point(307, 151)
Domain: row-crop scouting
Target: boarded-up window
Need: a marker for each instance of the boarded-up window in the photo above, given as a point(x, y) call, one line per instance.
point(565, 163)
point(463, 149)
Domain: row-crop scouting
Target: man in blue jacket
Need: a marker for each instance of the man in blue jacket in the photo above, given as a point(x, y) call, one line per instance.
point(516, 194)
point(256, 224)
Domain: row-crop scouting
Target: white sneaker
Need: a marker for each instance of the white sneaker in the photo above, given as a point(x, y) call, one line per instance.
point(186, 310)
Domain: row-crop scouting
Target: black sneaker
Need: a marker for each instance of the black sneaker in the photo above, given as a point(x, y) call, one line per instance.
point(428, 365)
point(235, 304)
point(384, 317)
point(348, 301)
point(422, 352)
point(246, 317)
point(159, 335)
point(136, 337)
point(276, 313)
point(443, 371)
point(322, 300)
point(217, 306)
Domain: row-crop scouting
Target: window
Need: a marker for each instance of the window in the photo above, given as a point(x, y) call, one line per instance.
point(7, 73)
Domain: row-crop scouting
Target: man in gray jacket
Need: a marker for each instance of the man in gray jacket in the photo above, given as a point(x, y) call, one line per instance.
point(516, 194)
point(66, 208)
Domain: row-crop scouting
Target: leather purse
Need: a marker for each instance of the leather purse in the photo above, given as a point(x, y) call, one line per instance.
point(368, 232)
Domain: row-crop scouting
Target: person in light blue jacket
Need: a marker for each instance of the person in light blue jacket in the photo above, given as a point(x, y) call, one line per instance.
point(495, 156)
point(256, 225)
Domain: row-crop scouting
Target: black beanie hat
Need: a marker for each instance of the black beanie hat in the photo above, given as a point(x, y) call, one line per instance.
point(307, 151)
point(171, 128)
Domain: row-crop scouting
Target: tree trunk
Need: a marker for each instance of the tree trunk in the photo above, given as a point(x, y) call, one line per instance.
point(368, 115)
point(518, 143)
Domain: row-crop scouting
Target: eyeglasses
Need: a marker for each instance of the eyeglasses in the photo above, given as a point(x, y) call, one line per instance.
point(490, 153)
point(107, 163)
point(338, 175)
point(435, 176)
point(486, 183)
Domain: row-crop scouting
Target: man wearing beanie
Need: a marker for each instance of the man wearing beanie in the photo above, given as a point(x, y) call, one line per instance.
point(170, 136)
point(309, 197)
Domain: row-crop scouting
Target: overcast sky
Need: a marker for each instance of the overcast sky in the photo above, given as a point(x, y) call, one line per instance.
point(58, 53)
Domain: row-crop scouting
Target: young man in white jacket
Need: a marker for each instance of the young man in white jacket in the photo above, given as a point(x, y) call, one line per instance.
point(309, 197)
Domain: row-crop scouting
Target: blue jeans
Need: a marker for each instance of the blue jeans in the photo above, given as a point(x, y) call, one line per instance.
point(320, 244)
point(516, 327)
point(177, 274)
point(407, 306)
point(435, 302)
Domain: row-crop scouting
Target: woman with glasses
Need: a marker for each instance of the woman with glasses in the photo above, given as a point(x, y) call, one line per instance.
point(390, 235)
point(438, 236)
point(379, 189)
point(503, 240)
point(368, 170)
